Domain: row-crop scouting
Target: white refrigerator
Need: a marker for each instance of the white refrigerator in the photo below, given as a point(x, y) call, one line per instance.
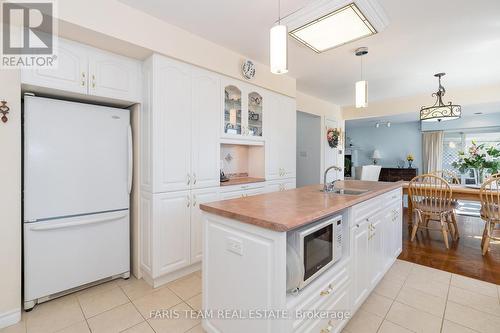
point(77, 182)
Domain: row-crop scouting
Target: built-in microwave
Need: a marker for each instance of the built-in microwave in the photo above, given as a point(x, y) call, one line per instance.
point(311, 250)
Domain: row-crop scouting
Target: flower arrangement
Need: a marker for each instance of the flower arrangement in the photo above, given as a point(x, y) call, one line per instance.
point(480, 158)
point(332, 135)
point(410, 159)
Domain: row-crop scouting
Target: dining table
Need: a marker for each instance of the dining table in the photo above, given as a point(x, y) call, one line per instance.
point(459, 192)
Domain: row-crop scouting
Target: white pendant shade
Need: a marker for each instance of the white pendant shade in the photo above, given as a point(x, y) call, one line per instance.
point(279, 49)
point(361, 94)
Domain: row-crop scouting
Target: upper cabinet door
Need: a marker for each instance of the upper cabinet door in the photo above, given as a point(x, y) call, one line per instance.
point(289, 134)
point(70, 75)
point(171, 125)
point(255, 114)
point(233, 112)
point(114, 76)
point(205, 147)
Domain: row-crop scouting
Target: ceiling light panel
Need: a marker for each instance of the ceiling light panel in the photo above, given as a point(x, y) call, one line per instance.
point(334, 29)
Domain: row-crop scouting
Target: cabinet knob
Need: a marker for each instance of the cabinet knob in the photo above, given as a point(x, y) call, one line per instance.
point(83, 79)
point(194, 178)
point(93, 81)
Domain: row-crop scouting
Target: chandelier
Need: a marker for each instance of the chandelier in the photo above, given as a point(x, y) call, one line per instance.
point(440, 111)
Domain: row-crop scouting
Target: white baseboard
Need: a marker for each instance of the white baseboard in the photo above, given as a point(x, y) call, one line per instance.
point(160, 281)
point(10, 318)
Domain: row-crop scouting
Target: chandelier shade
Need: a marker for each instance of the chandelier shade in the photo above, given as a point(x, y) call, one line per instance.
point(440, 111)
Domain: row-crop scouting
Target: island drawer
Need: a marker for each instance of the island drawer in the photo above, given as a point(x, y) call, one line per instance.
point(319, 296)
point(392, 197)
point(366, 209)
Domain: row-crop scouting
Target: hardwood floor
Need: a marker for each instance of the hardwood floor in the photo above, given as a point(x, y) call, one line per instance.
point(464, 256)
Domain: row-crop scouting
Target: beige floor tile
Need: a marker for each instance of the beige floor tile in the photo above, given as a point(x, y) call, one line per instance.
point(377, 305)
point(96, 303)
point(177, 325)
point(478, 286)
point(422, 301)
point(413, 319)
point(80, 327)
point(431, 287)
point(197, 329)
point(430, 273)
point(195, 302)
point(137, 288)
point(388, 327)
point(20, 327)
point(451, 327)
point(115, 320)
point(389, 287)
point(187, 286)
point(474, 300)
point(159, 300)
point(141, 328)
point(364, 322)
point(123, 282)
point(54, 315)
point(471, 318)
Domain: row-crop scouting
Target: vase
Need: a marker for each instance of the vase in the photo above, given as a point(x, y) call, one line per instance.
point(479, 175)
point(409, 164)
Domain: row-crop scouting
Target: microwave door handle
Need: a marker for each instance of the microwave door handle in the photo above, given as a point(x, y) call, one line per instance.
point(75, 224)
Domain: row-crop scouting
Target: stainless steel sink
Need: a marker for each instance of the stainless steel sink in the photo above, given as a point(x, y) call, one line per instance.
point(345, 191)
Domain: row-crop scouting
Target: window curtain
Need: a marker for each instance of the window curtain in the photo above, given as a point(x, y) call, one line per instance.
point(432, 151)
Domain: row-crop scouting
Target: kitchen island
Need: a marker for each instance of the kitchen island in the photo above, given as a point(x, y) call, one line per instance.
point(245, 257)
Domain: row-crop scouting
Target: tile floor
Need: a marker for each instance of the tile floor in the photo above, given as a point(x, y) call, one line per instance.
point(410, 298)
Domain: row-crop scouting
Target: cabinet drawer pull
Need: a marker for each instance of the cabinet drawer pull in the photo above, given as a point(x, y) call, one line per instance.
point(188, 201)
point(326, 292)
point(83, 79)
point(93, 81)
point(327, 329)
point(194, 178)
point(188, 179)
point(194, 200)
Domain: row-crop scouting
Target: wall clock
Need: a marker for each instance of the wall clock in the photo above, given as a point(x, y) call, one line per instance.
point(248, 69)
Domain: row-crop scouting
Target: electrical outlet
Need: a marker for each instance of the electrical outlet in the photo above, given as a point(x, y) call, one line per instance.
point(234, 245)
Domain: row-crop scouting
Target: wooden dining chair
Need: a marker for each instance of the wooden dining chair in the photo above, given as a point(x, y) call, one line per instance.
point(431, 197)
point(447, 175)
point(490, 209)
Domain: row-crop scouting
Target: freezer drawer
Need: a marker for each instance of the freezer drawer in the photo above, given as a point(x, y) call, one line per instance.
point(61, 254)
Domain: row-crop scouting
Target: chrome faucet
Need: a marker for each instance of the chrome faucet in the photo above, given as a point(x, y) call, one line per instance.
point(330, 186)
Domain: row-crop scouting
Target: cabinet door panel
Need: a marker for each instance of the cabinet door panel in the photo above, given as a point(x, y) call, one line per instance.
point(114, 76)
point(199, 197)
point(376, 249)
point(205, 129)
point(70, 75)
point(172, 234)
point(288, 133)
point(360, 257)
point(172, 120)
point(273, 135)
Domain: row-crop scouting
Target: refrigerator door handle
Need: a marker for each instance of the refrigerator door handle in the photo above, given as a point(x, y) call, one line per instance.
point(130, 160)
point(79, 223)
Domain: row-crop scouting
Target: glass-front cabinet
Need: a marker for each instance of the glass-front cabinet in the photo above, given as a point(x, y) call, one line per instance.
point(243, 111)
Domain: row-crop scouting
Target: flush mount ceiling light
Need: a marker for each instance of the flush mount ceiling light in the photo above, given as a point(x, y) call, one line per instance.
point(362, 85)
point(440, 111)
point(278, 48)
point(326, 24)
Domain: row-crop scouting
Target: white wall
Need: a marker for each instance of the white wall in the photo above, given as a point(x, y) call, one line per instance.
point(10, 200)
point(394, 143)
point(308, 149)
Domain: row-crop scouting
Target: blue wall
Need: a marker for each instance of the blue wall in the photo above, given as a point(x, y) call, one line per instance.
point(394, 143)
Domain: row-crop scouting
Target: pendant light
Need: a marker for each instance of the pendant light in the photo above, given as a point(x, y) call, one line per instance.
point(279, 46)
point(440, 111)
point(362, 85)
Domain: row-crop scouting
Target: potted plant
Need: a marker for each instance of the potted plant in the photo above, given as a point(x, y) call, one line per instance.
point(479, 158)
point(410, 160)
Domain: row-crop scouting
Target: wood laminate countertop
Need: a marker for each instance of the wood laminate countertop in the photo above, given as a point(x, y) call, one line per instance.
point(283, 211)
point(242, 180)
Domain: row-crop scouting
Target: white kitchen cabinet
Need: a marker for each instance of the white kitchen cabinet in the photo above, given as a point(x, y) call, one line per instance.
point(360, 262)
point(86, 70)
point(71, 73)
point(171, 231)
point(114, 76)
point(280, 134)
point(394, 220)
point(199, 197)
point(242, 111)
point(180, 127)
point(280, 185)
point(376, 248)
point(241, 191)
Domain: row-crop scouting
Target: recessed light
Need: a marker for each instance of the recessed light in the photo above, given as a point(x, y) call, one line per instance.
point(339, 27)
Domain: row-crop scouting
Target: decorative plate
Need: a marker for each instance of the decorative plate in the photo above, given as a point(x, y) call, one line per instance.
point(248, 69)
